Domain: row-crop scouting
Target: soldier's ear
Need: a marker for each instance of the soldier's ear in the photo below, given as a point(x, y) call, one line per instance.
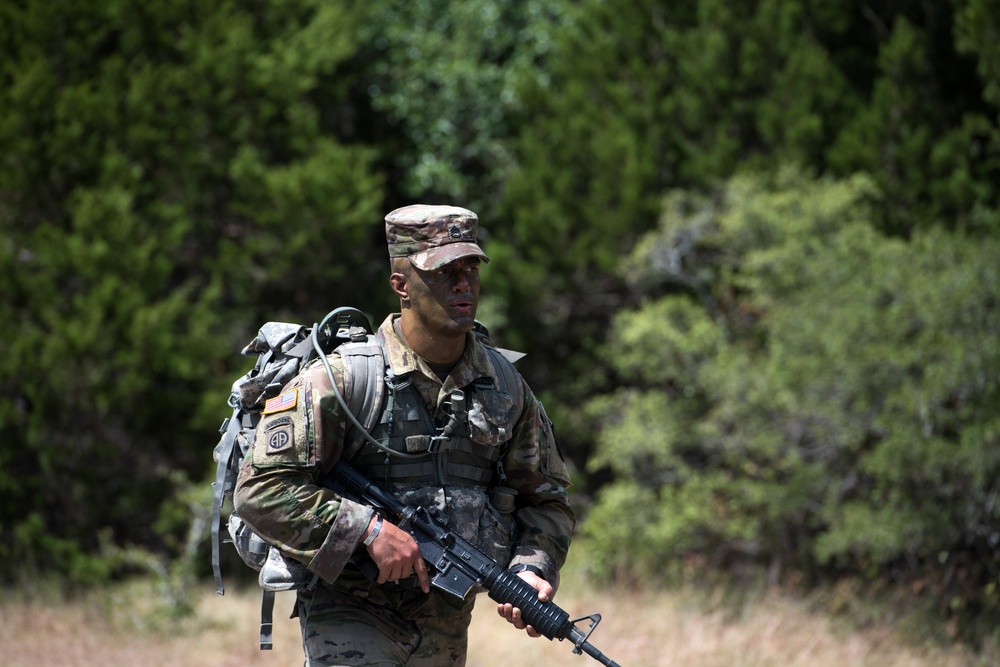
point(400, 285)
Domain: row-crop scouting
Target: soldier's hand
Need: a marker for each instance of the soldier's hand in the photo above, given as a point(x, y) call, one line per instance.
point(513, 614)
point(397, 555)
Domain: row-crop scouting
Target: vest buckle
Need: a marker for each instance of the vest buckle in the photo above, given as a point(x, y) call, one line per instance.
point(439, 444)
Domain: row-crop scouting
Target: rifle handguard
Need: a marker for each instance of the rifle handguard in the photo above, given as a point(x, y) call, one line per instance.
point(545, 617)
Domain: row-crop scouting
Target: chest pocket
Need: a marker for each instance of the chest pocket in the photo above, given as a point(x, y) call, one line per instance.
point(469, 453)
point(491, 417)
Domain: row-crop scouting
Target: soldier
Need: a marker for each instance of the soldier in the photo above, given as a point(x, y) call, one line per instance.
point(461, 431)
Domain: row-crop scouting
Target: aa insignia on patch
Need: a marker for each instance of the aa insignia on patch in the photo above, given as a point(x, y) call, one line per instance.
point(279, 436)
point(285, 401)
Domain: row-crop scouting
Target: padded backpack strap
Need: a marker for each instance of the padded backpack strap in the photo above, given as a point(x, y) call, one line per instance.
point(507, 376)
point(364, 388)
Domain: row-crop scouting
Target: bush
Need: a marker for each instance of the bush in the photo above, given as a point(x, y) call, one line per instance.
point(802, 391)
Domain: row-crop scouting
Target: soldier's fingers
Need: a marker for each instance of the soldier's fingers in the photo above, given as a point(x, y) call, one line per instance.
point(390, 573)
point(422, 577)
point(545, 591)
point(506, 611)
point(513, 616)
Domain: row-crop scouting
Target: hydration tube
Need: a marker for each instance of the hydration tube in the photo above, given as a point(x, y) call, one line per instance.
point(350, 315)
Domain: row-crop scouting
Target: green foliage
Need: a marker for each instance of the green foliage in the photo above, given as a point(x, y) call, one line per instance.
point(624, 515)
point(629, 106)
point(930, 154)
point(444, 72)
point(164, 181)
point(821, 395)
point(639, 98)
point(632, 100)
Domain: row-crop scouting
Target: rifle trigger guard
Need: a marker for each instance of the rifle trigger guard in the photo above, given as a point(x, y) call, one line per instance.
point(594, 620)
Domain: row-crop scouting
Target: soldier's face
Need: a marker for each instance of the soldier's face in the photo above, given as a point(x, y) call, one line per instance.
point(445, 301)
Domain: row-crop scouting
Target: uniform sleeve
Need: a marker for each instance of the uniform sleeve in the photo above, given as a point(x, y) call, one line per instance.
point(277, 493)
point(536, 469)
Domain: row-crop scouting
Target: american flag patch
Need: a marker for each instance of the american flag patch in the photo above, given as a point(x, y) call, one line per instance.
point(281, 403)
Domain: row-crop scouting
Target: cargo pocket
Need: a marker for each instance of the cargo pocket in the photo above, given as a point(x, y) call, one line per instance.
point(496, 532)
point(491, 417)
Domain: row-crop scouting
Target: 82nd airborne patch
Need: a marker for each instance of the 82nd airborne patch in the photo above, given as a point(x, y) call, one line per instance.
point(279, 435)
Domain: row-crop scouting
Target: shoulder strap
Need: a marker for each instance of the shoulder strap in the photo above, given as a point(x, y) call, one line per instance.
point(364, 390)
point(507, 376)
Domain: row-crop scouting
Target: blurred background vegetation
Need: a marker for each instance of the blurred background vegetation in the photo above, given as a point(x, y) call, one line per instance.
point(752, 249)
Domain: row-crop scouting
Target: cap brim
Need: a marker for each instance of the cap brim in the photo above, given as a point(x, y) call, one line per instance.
point(434, 258)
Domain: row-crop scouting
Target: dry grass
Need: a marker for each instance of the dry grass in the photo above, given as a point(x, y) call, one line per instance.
point(659, 630)
point(639, 630)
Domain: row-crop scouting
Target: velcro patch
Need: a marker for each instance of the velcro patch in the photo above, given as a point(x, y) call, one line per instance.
point(285, 401)
point(279, 437)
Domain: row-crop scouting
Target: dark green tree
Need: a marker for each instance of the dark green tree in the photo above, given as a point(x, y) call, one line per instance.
point(638, 98)
point(635, 99)
point(444, 73)
point(171, 176)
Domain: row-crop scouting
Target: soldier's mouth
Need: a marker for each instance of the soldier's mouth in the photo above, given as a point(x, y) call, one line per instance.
point(463, 305)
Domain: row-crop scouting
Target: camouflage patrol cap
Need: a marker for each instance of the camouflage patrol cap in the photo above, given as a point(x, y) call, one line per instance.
point(433, 235)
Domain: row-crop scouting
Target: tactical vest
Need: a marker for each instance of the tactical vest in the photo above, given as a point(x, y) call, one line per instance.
point(463, 448)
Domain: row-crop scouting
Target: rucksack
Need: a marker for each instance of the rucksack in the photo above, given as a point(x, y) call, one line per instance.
point(283, 349)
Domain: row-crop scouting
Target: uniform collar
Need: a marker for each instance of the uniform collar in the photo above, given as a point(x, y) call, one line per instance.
point(474, 364)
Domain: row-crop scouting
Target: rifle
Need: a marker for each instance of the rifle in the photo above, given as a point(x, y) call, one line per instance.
point(458, 565)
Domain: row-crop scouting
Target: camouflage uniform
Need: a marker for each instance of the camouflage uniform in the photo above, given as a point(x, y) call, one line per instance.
point(348, 619)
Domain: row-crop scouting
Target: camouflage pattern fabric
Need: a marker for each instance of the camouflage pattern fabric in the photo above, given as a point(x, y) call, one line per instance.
point(277, 494)
point(432, 236)
point(341, 629)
